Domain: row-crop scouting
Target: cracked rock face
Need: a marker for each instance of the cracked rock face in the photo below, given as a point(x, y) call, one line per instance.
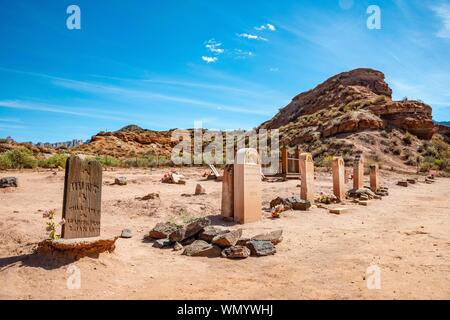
point(261, 248)
point(227, 239)
point(236, 252)
point(200, 248)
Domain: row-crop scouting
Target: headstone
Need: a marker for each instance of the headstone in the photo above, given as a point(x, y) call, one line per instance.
point(374, 178)
point(338, 178)
point(82, 198)
point(247, 186)
point(307, 177)
point(284, 160)
point(358, 172)
point(228, 192)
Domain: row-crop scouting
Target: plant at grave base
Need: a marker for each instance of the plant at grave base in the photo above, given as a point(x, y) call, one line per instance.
point(277, 210)
point(326, 198)
point(51, 226)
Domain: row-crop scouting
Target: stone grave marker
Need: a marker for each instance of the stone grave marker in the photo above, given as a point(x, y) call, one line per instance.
point(374, 178)
point(247, 186)
point(358, 172)
point(306, 165)
point(338, 168)
point(82, 199)
point(227, 207)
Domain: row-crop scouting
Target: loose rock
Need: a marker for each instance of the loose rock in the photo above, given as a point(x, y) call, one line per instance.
point(402, 183)
point(120, 181)
point(8, 182)
point(189, 230)
point(162, 243)
point(227, 239)
point(200, 189)
point(291, 203)
point(261, 248)
point(126, 233)
point(210, 232)
point(275, 236)
point(177, 246)
point(200, 248)
point(163, 230)
point(236, 252)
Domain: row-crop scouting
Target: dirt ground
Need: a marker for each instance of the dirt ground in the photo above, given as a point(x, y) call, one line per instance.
point(322, 256)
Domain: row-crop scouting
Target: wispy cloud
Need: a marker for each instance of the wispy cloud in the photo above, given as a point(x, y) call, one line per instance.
point(443, 12)
point(214, 47)
point(274, 69)
point(242, 54)
point(267, 26)
point(251, 36)
point(209, 59)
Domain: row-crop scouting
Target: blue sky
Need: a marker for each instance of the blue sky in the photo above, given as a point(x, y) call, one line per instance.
point(231, 64)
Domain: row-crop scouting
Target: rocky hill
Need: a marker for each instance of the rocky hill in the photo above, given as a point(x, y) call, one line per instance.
point(353, 112)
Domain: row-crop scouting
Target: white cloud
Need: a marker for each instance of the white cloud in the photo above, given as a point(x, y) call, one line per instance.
point(274, 69)
point(267, 26)
point(214, 47)
point(443, 12)
point(251, 36)
point(209, 59)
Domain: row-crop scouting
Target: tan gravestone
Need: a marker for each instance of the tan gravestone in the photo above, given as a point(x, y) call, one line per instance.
point(82, 199)
point(358, 172)
point(247, 186)
point(339, 178)
point(307, 177)
point(374, 178)
point(228, 192)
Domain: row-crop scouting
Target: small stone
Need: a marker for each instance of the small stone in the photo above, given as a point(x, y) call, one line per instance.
point(402, 183)
point(261, 248)
point(126, 233)
point(177, 246)
point(8, 182)
point(227, 239)
point(338, 210)
point(200, 248)
point(178, 178)
point(163, 230)
point(200, 189)
point(162, 243)
point(120, 181)
point(275, 236)
point(291, 203)
point(411, 181)
point(189, 230)
point(236, 252)
point(377, 197)
point(150, 196)
point(210, 232)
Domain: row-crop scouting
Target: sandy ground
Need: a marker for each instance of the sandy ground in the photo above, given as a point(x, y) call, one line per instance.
point(322, 256)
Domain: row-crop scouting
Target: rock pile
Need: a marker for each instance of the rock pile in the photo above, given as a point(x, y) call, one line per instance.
point(199, 239)
point(8, 182)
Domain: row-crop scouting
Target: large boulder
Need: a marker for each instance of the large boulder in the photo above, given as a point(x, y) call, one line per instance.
point(162, 230)
point(189, 230)
point(227, 239)
point(236, 252)
point(200, 248)
point(275, 236)
point(261, 248)
point(8, 182)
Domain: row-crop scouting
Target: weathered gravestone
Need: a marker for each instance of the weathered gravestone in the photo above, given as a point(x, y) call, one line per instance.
point(247, 186)
point(228, 193)
point(358, 172)
point(339, 178)
point(306, 165)
point(82, 199)
point(374, 178)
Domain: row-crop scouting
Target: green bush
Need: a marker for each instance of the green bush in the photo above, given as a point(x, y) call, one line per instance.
point(18, 159)
point(55, 161)
point(107, 161)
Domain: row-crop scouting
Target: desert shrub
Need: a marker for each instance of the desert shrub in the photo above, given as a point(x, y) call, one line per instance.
point(411, 162)
point(408, 138)
point(107, 161)
point(18, 159)
point(325, 161)
point(5, 162)
point(396, 150)
point(55, 161)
